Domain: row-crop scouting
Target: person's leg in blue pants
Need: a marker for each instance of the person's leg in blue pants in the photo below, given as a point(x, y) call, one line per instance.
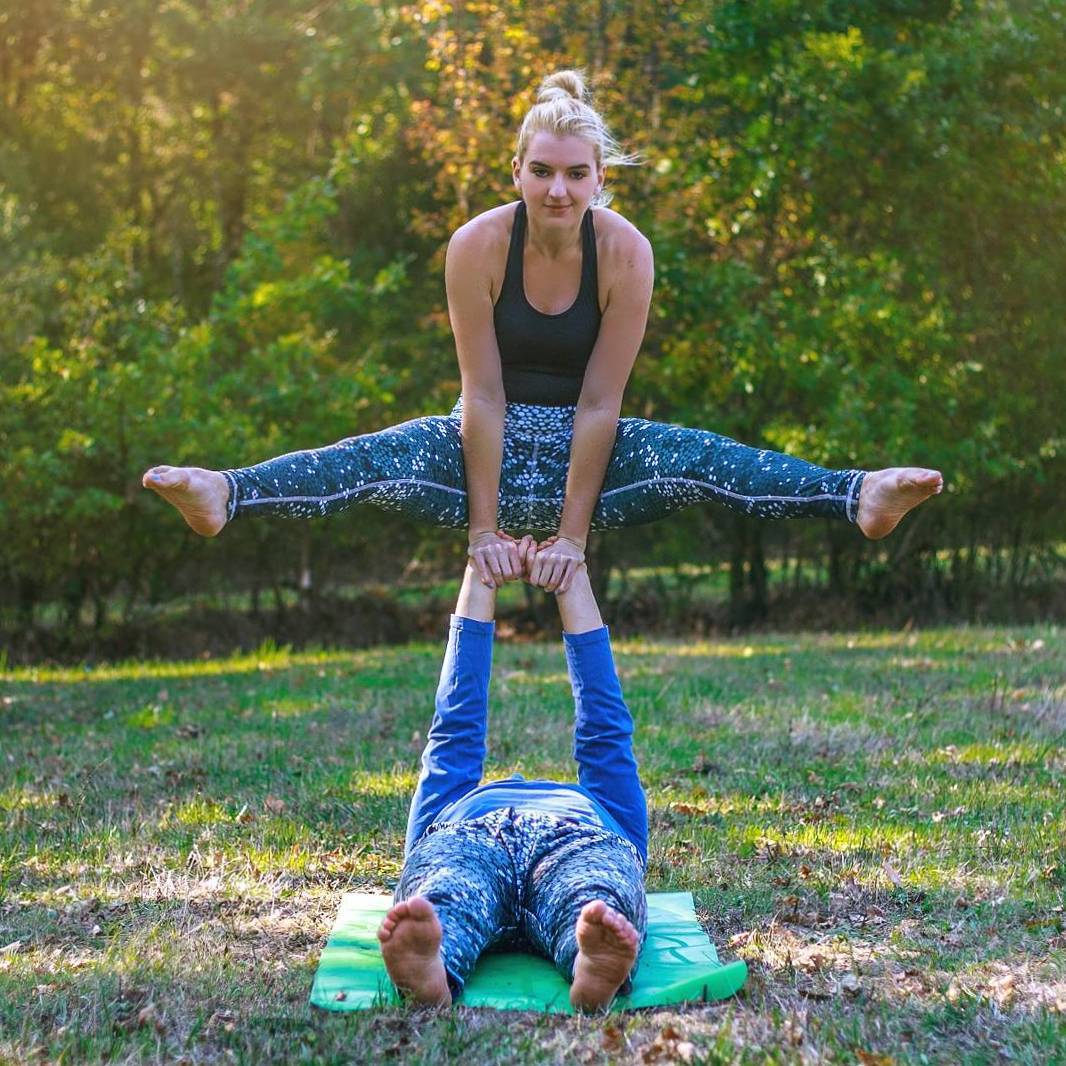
point(570, 881)
point(445, 916)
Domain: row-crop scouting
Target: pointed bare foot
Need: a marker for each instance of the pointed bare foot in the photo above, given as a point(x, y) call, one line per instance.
point(410, 937)
point(607, 948)
point(887, 495)
point(200, 495)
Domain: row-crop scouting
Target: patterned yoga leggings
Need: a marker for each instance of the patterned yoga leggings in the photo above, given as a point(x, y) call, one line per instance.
point(519, 879)
point(655, 469)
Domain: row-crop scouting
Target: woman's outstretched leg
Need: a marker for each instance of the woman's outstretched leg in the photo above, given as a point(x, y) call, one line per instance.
point(455, 899)
point(415, 468)
point(657, 469)
point(586, 909)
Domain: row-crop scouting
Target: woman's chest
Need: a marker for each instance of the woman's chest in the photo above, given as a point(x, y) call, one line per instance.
point(551, 285)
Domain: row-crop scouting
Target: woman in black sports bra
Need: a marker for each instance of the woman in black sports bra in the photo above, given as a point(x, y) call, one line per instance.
point(535, 442)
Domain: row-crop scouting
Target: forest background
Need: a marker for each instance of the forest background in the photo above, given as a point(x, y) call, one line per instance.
point(222, 229)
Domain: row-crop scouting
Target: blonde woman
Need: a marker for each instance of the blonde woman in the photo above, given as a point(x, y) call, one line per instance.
point(548, 299)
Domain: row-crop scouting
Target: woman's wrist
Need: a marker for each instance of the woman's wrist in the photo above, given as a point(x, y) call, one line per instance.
point(578, 541)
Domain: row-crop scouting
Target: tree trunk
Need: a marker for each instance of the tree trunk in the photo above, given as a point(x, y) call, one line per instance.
point(306, 583)
point(598, 555)
point(836, 563)
point(758, 606)
point(737, 548)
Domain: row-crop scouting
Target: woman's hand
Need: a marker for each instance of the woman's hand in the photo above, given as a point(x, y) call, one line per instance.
point(555, 563)
point(495, 556)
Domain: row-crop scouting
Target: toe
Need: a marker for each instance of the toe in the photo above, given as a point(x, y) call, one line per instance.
point(595, 910)
point(419, 907)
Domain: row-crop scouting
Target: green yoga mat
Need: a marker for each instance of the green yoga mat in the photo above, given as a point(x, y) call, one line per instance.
point(678, 964)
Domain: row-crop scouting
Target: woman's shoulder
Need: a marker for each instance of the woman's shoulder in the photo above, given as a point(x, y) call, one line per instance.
point(619, 244)
point(487, 231)
point(616, 229)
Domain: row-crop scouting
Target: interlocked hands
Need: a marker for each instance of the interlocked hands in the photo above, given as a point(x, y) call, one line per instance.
point(551, 564)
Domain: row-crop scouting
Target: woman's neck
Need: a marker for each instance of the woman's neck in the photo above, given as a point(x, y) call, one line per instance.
point(552, 242)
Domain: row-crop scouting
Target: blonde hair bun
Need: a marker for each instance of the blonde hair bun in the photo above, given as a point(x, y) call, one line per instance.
point(562, 84)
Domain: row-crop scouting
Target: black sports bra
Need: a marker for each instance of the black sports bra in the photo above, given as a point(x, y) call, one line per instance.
point(544, 356)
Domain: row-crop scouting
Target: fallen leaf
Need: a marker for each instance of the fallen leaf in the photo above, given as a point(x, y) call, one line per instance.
point(669, 1046)
point(148, 1015)
point(872, 1058)
point(613, 1039)
point(1003, 988)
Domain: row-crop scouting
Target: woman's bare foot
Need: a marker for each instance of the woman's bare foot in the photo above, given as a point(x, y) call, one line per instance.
point(887, 495)
point(200, 495)
point(607, 948)
point(410, 944)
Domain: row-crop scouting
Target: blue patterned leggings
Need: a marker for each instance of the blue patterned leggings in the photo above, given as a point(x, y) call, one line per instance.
point(518, 879)
point(655, 469)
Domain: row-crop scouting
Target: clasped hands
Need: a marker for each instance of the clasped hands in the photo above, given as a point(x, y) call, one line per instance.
point(550, 564)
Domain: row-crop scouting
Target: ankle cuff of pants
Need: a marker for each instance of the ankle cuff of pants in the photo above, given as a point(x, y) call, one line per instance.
point(851, 500)
point(231, 502)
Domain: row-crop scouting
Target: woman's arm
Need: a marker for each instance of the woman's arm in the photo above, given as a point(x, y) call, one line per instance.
point(596, 419)
point(470, 312)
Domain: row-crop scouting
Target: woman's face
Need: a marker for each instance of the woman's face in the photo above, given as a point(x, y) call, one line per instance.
point(558, 178)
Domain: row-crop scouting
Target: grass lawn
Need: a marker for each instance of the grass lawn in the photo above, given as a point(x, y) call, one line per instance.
point(875, 822)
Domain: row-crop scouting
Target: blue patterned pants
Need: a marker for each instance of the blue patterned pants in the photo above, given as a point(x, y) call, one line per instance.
point(518, 879)
point(655, 469)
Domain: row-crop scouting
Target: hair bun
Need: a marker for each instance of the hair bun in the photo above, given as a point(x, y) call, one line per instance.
point(561, 84)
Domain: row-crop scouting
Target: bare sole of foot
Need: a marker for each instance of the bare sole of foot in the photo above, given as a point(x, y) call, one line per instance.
point(607, 948)
point(887, 495)
point(410, 936)
point(200, 495)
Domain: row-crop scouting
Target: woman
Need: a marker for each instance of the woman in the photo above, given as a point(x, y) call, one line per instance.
point(548, 300)
point(553, 867)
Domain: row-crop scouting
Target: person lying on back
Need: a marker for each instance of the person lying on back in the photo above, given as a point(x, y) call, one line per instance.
point(552, 867)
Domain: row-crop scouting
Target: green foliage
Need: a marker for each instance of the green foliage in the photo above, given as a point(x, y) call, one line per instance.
point(221, 237)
